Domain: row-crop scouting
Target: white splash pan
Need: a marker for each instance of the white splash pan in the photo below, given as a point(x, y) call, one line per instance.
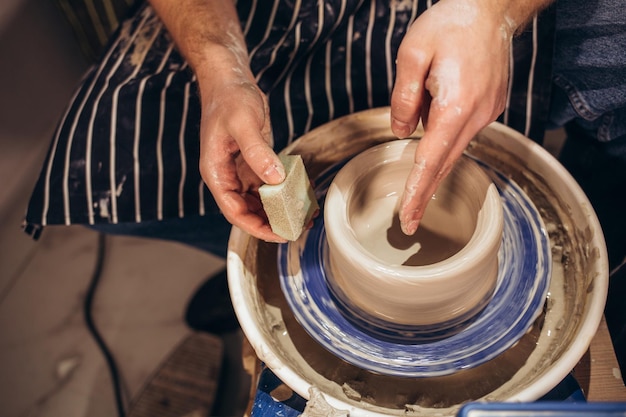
point(527, 371)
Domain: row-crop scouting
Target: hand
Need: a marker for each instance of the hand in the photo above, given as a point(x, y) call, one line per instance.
point(235, 133)
point(452, 71)
point(236, 157)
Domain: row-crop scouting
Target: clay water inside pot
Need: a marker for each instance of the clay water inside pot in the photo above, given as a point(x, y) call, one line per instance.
point(430, 283)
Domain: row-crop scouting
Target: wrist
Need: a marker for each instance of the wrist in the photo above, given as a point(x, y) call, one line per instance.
point(218, 66)
point(516, 14)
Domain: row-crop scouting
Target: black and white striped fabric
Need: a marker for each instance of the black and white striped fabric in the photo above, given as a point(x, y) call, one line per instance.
point(127, 148)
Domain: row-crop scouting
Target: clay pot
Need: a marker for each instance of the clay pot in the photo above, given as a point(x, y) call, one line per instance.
point(431, 282)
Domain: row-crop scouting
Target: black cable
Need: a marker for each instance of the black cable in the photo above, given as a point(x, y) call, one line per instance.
point(110, 360)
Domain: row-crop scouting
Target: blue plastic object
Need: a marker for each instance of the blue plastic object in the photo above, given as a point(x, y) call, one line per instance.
point(543, 409)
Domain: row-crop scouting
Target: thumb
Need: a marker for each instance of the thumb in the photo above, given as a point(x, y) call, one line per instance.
point(263, 161)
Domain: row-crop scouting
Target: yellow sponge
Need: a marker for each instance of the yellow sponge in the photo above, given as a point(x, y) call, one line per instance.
point(291, 204)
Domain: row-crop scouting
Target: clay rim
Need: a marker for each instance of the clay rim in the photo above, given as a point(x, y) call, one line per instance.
point(481, 248)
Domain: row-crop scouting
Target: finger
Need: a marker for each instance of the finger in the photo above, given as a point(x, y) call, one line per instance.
point(220, 168)
point(236, 209)
point(254, 140)
point(438, 150)
point(408, 92)
point(236, 203)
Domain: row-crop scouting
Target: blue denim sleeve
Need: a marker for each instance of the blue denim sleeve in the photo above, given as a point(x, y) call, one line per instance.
point(590, 67)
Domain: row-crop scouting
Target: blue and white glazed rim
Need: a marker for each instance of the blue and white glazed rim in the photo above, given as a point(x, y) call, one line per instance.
point(521, 289)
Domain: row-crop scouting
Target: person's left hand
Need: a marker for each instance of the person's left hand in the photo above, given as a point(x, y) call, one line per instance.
point(452, 72)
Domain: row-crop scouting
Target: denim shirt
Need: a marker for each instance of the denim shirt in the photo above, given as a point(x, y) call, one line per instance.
point(590, 67)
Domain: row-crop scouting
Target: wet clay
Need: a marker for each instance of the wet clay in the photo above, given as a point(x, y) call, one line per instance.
point(383, 275)
point(372, 390)
point(446, 228)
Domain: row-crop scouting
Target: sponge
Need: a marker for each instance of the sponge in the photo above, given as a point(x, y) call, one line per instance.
point(291, 204)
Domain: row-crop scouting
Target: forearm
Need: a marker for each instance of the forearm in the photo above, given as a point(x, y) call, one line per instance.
point(208, 34)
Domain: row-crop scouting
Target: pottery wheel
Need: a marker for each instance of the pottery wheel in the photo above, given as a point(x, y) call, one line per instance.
point(522, 286)
point(528, 369)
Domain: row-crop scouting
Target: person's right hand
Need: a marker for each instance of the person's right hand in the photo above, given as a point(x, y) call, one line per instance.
point(452, 72)
point(236, 156)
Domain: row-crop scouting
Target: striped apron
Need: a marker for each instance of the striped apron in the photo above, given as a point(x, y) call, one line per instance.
point(126, 150)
